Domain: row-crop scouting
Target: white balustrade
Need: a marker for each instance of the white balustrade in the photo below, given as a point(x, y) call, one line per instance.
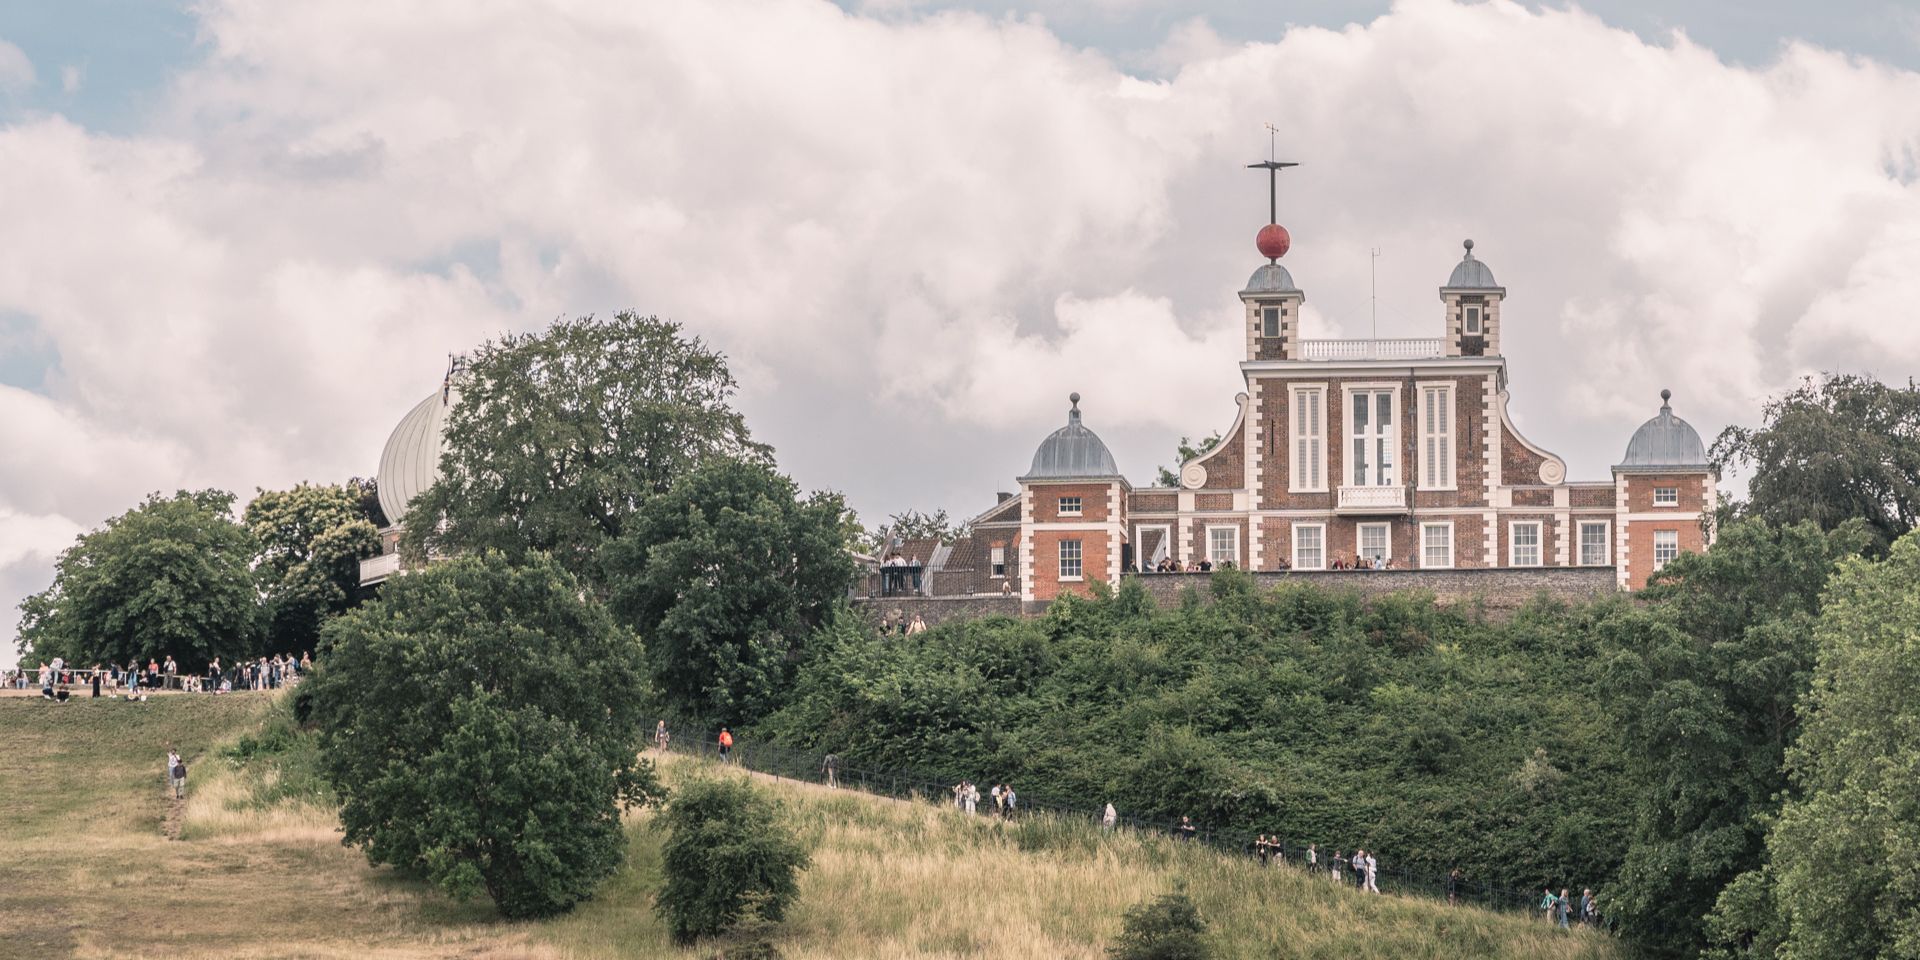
point(1402, 348)
point(375, 569)
point(1373, 499)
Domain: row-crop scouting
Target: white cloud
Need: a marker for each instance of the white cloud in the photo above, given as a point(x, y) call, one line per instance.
point(71, 77)
point(932, 224)
point(16, 70)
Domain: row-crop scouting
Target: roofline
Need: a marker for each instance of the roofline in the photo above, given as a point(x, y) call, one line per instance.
point(1030, 479)
point(1250, 293)
point(1666, 468)
point(1502, 291)
point(1373, 366)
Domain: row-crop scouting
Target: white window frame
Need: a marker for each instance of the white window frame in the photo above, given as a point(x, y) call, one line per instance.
point(1077, 510)
point(1297, 528)
point(1472, 320)
point(1348, 434)
point(1079, 561)
point(1307, 432)
point(1436, 444)
point(1234, 558)
point(1270, 321)
point(1666, 496)
point(1539, 543)
point(1360, 540)
point(1425, 530)
point(997, 561)
point(1606, 542)
point(1670, 535)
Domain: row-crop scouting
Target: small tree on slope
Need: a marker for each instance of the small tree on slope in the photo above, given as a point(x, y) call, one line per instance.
point(1165, 928)
point(729, 853)
point(480, 723)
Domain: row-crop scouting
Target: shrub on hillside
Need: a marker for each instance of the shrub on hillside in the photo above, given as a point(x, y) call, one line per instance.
point(480, 723)
point(1165, 928)
point(729, 854)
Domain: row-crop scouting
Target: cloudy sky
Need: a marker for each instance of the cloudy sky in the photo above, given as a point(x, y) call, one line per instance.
point(241, 236)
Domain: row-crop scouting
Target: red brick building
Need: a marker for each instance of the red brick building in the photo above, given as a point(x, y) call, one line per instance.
point(1397, 453)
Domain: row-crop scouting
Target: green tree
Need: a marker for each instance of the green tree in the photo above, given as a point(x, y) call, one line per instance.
point(312, 539)
point(1846, 884)
point(1166, 928)
point(481, 724)
point(1845, 447)
point(729, 854)
point(725, 575)
point(1181, 454)
point(914, 525)
point(1704, 687)
point(168, 577)
point(560, 436)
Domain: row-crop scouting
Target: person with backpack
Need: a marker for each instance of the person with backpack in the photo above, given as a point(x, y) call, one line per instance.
point(726, 745)
point(176, 774)
point(1546, 905)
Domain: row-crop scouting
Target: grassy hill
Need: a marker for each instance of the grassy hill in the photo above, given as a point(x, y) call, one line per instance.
point(94, 869)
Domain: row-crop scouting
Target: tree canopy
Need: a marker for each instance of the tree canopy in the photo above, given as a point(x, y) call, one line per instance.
point(1703, 686)
point(1844, 882)
point(1830, 451)
point(481, 723)
point(169, 577)
point(560, 436)
point(725, 575)
point(1184, 451)
point(729, 854)
point(311, 540)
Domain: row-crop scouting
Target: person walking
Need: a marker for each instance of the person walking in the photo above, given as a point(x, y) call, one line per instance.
point(1453, 885)
point(1589, 909)
point(726, 745)
point(1262, 849)
point(1109, 818)
point(831, 767)
point(1186, 828)
point(1373, 874)
point(1339, 867)
point(1359, 869)
point(1313, 859)
point(176, 774)
point(973, 798)
point(96, 681)
point(1563, 909)
point(999, 801)
point(661, 736)
point(1013, 801)
point(1546, 904)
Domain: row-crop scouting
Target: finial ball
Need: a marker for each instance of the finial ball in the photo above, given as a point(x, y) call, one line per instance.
point(1468, 244)
point(1273, 241)
point(1665, 395)
point(1075, 399)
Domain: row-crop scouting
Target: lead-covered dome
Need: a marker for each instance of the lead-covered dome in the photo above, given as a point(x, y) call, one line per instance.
point(1072, 453)
point(1665, 441)
point(1471, 274)
point(1270, 278)
point(411, 461)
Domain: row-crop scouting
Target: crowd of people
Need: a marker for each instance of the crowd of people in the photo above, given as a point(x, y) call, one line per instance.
point(1204, 565)
point(1006, 802)
point(1565, 911)
point(57, 679)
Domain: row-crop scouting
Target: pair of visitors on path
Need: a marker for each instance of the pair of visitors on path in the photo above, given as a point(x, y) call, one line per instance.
point(176, 774)
point(1556, 909)
point(966, 796)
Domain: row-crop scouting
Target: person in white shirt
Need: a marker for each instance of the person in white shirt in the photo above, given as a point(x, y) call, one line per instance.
point(1109, 818)
point(1373, 869)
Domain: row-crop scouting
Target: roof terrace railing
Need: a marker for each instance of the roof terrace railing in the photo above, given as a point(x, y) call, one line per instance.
point(1402, 348)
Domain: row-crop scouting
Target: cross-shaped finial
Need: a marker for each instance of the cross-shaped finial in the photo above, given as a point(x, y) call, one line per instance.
point(1273, 148)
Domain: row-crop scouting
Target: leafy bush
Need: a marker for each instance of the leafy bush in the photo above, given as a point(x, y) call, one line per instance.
point(1165, 928)
point(481, 724)
point(728, 854)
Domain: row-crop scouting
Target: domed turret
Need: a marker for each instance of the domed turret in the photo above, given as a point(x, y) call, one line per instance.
point(1471, 274)
point(411, 461)
point(1270, 278)
point(1072, 453)
point(1665, 441)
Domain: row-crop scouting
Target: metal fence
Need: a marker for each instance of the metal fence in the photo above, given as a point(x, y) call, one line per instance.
point(781, 761)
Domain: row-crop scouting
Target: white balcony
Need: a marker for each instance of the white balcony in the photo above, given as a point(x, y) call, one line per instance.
point(1403, 348)
point(376, 569)
point(1380, 501)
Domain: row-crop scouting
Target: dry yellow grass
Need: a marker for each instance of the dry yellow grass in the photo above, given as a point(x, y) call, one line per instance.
point(90, 873)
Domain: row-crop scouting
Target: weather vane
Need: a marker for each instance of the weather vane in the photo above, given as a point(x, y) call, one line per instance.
point(1273, 240)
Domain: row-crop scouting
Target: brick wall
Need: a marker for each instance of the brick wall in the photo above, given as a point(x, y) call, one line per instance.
point(1168, 502)
point(1591, 496)
point(1639, 554)
point(1093, 501)
point(1276, 446)
point(1046, 561)
point(1226, 463)
point(1517, 463)
point(1213, 501)
point(936, 610)
point(1640, 488)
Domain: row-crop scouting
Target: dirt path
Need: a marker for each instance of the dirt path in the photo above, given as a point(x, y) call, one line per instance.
point(176, 814)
